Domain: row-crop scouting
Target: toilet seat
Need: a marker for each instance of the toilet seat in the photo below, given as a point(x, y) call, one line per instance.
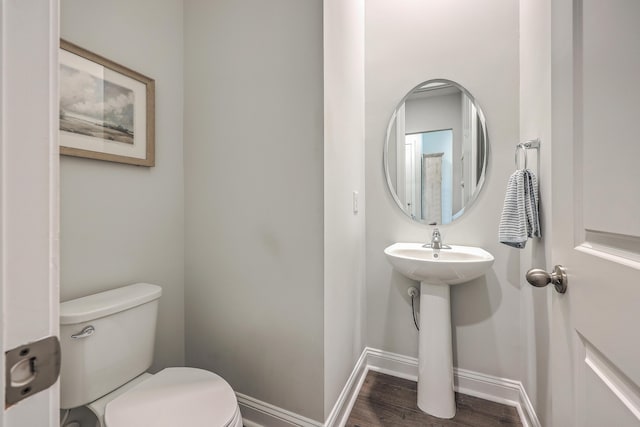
point(174, 397)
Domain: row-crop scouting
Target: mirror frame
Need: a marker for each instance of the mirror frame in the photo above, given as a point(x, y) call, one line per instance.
point(485, 163)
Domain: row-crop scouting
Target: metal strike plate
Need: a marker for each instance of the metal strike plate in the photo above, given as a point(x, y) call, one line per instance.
point(31, 368)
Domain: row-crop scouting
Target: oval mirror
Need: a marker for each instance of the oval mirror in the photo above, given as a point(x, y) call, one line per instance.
point(435, 154)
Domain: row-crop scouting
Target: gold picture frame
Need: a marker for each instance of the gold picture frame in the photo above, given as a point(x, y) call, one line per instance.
point(107, 111)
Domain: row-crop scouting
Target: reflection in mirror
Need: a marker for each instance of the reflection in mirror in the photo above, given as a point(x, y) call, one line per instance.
point(436, 152)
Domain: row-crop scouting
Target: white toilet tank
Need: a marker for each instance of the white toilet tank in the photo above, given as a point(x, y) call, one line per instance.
point(119, 328)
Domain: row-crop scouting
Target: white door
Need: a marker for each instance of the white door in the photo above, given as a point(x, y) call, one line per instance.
point(595, 337)
point(29, 295)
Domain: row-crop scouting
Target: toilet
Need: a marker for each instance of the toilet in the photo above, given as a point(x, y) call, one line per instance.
point(107, 342)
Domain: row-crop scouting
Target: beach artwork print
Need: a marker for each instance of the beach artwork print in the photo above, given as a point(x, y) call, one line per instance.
point(107, 110)
point(94, 107)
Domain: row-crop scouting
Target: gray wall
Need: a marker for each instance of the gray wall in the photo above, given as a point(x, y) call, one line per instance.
point(475, 44)
point(119, 223)
point(344, 231)
point(254, 197)
point(432, 113)
point(535, 122)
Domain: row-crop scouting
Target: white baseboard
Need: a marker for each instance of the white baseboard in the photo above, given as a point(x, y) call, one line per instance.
point(347, 398)
point(501, 390)
point(392, 364)
point(256, 413)
point(496, 389)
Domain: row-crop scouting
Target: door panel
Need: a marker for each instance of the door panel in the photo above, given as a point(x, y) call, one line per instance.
point(607, 66)
point(608, 392)
point(610, 64)
point(596, 211)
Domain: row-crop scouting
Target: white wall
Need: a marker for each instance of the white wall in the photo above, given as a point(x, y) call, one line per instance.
point(433, 113)
point(535, 122)
point(475, 44)
point(344, 231)
point(254, 197)
point(122, 224)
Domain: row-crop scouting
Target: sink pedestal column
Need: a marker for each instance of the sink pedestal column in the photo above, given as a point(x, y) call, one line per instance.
point(435, 358)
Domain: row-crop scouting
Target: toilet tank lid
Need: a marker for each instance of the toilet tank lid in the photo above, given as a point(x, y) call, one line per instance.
point(108, 302)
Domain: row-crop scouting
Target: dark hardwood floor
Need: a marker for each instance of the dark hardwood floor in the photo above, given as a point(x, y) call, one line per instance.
point(386, 401)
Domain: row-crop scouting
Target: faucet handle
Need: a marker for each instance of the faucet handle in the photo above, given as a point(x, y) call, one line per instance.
point(435, 229)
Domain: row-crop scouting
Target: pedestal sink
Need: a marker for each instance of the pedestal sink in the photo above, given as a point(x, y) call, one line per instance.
point(437, 270)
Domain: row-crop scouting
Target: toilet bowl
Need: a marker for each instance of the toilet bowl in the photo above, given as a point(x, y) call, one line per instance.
point(107, 345)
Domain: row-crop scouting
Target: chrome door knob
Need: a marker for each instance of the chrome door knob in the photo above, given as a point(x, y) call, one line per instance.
point(540, 278)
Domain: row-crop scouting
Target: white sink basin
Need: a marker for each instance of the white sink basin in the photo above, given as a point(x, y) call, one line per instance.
point(445, 266)
point(436, 269)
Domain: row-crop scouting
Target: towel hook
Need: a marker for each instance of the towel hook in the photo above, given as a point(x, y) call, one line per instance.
point(524, 146)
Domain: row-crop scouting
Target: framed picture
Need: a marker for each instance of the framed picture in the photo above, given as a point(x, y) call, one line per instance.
point(106, 110)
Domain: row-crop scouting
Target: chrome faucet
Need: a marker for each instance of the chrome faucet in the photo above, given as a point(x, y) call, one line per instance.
point(436, 240)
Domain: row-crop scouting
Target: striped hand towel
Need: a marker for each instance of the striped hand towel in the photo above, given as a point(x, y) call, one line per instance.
point(520, 219)
point(531, 203)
